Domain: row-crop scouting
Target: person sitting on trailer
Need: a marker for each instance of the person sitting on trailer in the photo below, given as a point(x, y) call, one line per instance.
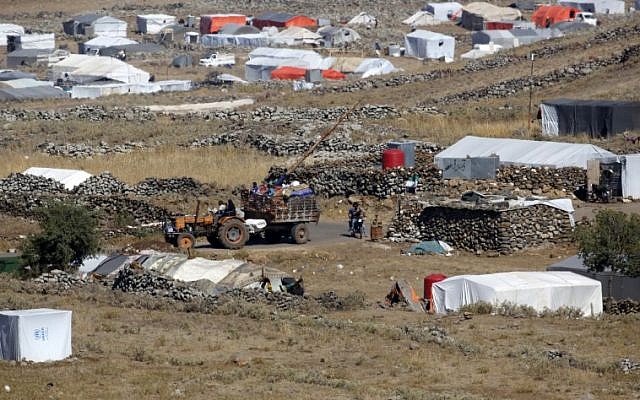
point(254, 187)
point(231, 208)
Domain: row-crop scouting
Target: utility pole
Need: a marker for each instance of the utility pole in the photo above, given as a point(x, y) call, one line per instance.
point(532, 56)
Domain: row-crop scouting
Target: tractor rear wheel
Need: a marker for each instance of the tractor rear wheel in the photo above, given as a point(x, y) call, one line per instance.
point(185, 241)
point(300, 233)
point(233, 234)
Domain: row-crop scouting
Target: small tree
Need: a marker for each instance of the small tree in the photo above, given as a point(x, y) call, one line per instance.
point(69, 235)
point(611, 241)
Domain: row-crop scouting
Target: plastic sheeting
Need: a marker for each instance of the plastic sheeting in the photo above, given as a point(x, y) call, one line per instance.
point(432, 45)
point(154, 23)
point(251, 41)
point(98, 90)
point(295, 35)
point(474, 15)
point(444, 11)
point(69, 178)
point(631, 176)
point(9, 29)
point(374, 66)
point(108, 26)
point(26, 83)
point(539, 290)
point(85, 69)
point(500, 37)
point(422, 18)
point(35, 335)
point(524, 152)
point(39, 41)
point(363, 19)
point(106, 41)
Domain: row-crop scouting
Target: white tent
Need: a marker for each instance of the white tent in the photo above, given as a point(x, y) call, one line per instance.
point(481, 50)
point(539, 290)
point(524, 152)
point(426, 44)
point(338, 36)
point(501, 37)
point(630, 181)
point(374, 66)
point(107, 26)
point(311, 58)
point(9, 29)
point(101, 42)
point(35, 335)
point(69, 178)
point(154, 23)
point(84, 69)
point(295, 36)
point(253, 40)
point(421, 18)
point(444, 11)
point(363, 19)
point(604, 6)
point(40, 41)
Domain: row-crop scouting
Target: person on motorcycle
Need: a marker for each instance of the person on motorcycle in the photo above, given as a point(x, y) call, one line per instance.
point(355, 213)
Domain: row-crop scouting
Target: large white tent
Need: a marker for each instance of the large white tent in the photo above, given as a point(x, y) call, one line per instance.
point(39, 41)
point(154, 23)
point(524, 152)
point(9, 29)
point(252, 40)
point(539, 290)
point(295, 36)
point(69, 178)
point(374, 66)
point(35, 335)
point(432, 45)
point(444, 11)
point(108, 26)
point(84, 69)
point(363, 18)
point(101, 42)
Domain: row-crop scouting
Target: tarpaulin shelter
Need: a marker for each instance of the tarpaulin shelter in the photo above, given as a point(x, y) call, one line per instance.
point(69, 178)
point(35, 41)
point(614, 284)
point(596, 118)
point(94, 45)
point(524, 152)
point(263, 60)
point(573, 26)
point(283, 20)
point(25, 83)
point(374, 66)
point(474, 15)
point(35, 335)
point(9, 29)
point(365, 19)
point(525, 5)
point(500, 37)
point(402, 291)
point(430, 247)
point(288, 73)
point(422, 18)
point(213, 23)
point(598, 6)
point(295, 36)
point(237, 29)
point(95, 25)
point(76, 25)
point(135, 48)
point(338, 36)
point(431, 45)
point(154, 23)
point(526, 36)
point(444, 11)
point(250, 41)
point(84, 69)
point(332, 74)
point(540, 290)
point(481, 50)
point(546, 16)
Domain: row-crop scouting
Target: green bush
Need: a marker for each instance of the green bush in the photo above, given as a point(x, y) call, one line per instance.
point(611, 241)
point(69, 235)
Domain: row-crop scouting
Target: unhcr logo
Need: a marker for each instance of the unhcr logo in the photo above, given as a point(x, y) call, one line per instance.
point(41, 334)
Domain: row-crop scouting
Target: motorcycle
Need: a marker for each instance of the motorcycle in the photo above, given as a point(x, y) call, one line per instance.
point(357, 227)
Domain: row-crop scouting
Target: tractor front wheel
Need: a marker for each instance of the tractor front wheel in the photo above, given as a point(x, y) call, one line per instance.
point(185, 241)
point(233, 234)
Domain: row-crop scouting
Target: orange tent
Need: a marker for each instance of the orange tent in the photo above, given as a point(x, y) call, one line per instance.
point(333, 74)
point(283, 20)
point(288, 73)
point(546, 16)
point(212, 23)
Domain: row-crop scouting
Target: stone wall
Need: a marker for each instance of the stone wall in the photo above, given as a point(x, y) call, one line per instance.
point(481, 229)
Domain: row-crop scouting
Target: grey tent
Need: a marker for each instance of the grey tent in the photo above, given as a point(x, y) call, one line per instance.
point(614, 284)
point(182, 61)
point(77, 25)
point(573, 26)
point(596, 118)
point(31, 93)
point(8, 75)
point(500, 37)
point(237, 29)
point(27, 57)
point(130, 49)
point(524, 5)
point(525, 36)
point(334, 36)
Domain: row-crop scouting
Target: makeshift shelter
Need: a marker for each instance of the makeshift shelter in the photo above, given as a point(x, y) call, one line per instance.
point(503, 38)
point(475, 15)
point(228, 79)
point(312, 59)
point(523, 152)
point(596, 118)
point(36, 41)
point(154, 23)
point(481, 50)
point(8, 75)
point(94, 45)
point(69, 178)
point(403, 292)
point(77, 25)
point(99, 89)
point(348, 64)
point(572, 27)
point(25, 83)
point(129, 49)
point(213, 23)
point(9, 29)
point(614, 284)
point(237, 29)
point(541, 291)
point(81, 69)
point(35, 335)
point(182, 61)
point(430, 247)
point(432, 45)
point(338, 36)
point(598, 6)
point(546, 16)
point(374, 66)
point(422, 18)
point(105, 26)
point(295, 36)
point(365, 19)
point(526, 36)
point(283, 20)
point(446, 11)
point(220, 40)
point(32, 93)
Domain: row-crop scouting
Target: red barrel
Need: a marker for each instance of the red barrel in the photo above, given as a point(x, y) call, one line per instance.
point(392, 158)
point(429, 281)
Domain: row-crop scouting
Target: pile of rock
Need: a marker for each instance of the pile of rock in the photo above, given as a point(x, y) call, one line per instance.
point(17, 183)
point(627, 365)
point(82, 150)
point(627, 306)
point(83, 112)
point(542, 180)
point(104, 184)
point(116, 206)
point(481, 228)
point(61, 279)
point(156, 187)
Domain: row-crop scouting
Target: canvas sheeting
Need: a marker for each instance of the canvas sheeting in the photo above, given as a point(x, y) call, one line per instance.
point(501, 37)
point(69, 178)
point(524, 152)
point(570, 27)
point(431, 45)
point(25, 83)
point(614, 284)
point(604, 6)
point(101, 42)
point(347, 64)
point(481, 50)
point(32, 93)
point(402, 291)
point(629, 171)
point(92, 91)
point(525, 5)
point(295, 35)
point(374, 66)
point(540, 290)
point(338, 36)
point(596, 118)
point(35, 335)
point(108, 26)
point(237, 29)
point(443, 11)
point(526, 36)
point(38, 41)
point(132, 49)
point(421, 18)
point(9, 29)
point(430, 247)
point(474, 15)
point(154, 23)
point(9, 74)
point(312, 59)
point(220, 40)
point(85, 69)
point(363, 19)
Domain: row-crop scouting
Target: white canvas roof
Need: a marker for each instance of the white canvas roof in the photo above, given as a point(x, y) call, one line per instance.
point(41, 41)
point(362, 19)
point(310, 58)
point(109, 26)
point(539, 290)
point(70, 178)
point(374, 66)
point(524, 152)
point(35, 335)
point(481, 50)
point(295, 35)
point(9, 29)
point(107, 41)
point(84, 69)
point(492, 12)
point(26, 83)
point(443, 11)
point(421, 18)
point(154, 23)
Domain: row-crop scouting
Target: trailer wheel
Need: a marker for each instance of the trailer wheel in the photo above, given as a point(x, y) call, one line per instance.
point(233, 234)
point(185, 241)
point(300, 233)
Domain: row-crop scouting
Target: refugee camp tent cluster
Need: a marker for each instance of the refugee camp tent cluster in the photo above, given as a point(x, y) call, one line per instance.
point(213, 23)
point(365, 19)
point(263, 60)
point(596, 118)
point(17, 85)
point(475, 15)
point(429, 45)
point(95, 25)
point(541, 291)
